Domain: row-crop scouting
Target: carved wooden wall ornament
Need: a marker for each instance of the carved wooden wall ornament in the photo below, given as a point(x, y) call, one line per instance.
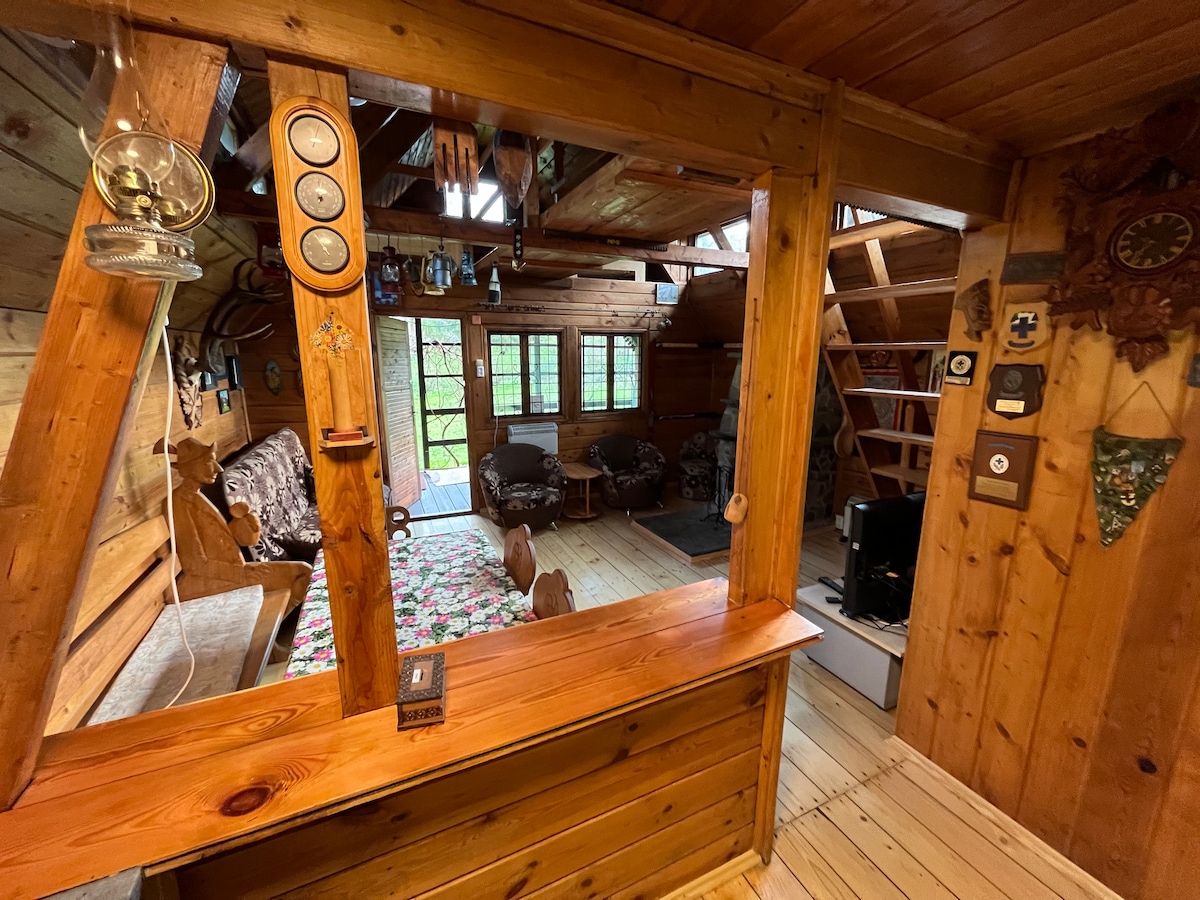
point(1133, 239)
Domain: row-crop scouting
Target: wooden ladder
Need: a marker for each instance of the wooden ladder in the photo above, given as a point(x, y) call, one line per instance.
point(889, 452)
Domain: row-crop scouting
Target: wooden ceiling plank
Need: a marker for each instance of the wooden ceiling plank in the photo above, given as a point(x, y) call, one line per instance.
point(911, 31)
point(1016, 29)
point(819, 27)
point(584, 198)
point(390, 142)
point(1132, 23)
point(1120, 74)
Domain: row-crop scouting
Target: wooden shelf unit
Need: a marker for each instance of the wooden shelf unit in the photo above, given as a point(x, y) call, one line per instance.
point(888, 450)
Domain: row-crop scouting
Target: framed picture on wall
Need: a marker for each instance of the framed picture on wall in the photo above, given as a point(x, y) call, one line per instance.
point(223, 405)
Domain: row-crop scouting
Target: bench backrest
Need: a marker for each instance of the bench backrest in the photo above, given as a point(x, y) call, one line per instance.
point(128, 585)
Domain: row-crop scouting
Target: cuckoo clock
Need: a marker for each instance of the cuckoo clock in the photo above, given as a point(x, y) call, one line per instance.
point(1133, 239)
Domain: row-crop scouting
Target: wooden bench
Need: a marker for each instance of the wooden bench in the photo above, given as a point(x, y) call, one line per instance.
point(128, 590)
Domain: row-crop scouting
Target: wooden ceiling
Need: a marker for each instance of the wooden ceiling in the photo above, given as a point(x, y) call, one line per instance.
point(640, 198)
point(1032, 73)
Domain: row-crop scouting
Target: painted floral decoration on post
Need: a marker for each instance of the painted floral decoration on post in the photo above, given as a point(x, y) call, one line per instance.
point(334, 337)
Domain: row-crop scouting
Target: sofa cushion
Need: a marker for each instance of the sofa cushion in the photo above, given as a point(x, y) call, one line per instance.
point(525, 495)
point(303, 541)
point(274, 479)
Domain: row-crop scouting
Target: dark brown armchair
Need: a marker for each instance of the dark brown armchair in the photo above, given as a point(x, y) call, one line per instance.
point(522, 485)
point(634, 470)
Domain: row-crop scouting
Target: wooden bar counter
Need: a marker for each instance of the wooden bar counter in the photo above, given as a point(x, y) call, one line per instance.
point(614, 751)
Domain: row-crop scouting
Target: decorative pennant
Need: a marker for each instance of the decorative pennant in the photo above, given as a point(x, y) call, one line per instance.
point(976, 304)
point(1126, 472)
point(1016, 391)
point(1028, 328)
point(960, 367)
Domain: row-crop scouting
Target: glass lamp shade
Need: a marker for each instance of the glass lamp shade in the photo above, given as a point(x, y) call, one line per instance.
point(391, 278)
point(157, 189)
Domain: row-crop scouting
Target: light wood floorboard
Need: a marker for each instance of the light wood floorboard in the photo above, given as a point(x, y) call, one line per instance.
point(859, 815)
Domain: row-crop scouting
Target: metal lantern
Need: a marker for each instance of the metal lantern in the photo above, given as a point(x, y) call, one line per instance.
point(391, 277)
point(157, 189)
point(270, 251)
point(439, 271)
point(467, 276)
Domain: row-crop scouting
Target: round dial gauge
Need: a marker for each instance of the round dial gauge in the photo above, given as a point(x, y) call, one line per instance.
point(314, 140)
point(325, 250)
point(320, 196)
point(1152, 241)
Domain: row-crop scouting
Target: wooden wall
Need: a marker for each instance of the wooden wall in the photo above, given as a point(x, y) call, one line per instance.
point(141, 481)
point(633, 806)
point(1058, 678)
point(43, 167)
point(267, 412)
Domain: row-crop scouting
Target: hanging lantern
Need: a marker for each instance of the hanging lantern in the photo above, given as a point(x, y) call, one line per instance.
point(158, 189)
point(494, 286)
point(411, 269)
point(467, 278)
point(391, 276)
point(439, 271)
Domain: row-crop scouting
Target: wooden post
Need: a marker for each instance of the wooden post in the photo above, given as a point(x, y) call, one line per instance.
point(349, 481)
point(790, 220)
point(99, 339)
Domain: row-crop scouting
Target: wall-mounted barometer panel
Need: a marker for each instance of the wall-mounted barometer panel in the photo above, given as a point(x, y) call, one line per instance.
point(320, 195)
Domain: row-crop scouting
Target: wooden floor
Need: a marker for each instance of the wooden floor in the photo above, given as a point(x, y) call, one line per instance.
point(858, 814)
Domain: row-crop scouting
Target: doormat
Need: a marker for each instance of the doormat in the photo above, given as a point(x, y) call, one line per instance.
point(687, 535)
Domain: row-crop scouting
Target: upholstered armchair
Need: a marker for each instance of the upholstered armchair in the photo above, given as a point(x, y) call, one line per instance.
point(633, 470)
point(522, 485)
point(698, 467)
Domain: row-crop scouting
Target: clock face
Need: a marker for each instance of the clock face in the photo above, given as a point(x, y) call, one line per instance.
point(320, 197)
point(1152, 242)
point(325, 250)
point(313, 140)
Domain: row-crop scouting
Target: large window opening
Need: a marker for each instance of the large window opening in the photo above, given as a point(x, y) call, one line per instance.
point(525, 373)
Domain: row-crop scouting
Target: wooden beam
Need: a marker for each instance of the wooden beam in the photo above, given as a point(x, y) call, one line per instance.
point(879, 230)
point(683, 183)
point(349, 492)
point(603, 77)
point(719, 235)
point(99, 339)
point(250, 163)
point(244, 205)
point(785, 287)
point(394, 138)
point(908, 289)
point(423, 172)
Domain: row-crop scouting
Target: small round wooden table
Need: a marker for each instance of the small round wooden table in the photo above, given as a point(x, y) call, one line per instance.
point(580, 507)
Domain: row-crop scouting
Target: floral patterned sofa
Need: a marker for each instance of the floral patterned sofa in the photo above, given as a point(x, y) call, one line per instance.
point(522, 485)
point(633, 470)
point(275, 478)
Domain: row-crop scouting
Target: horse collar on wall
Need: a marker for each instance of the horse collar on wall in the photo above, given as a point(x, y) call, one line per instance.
point(1133, 240)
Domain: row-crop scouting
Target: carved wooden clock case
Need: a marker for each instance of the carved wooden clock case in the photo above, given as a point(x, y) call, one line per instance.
point(1133, 239)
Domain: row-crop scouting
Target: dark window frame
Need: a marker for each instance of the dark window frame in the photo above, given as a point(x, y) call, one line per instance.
point(523, 335)
point(610, 357)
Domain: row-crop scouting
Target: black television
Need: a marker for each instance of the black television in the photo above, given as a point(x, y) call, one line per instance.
point(884, 537)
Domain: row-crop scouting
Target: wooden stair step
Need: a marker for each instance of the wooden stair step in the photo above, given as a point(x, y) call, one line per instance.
point(897, 393)
point(893, 291)
point(903, 473)
point(889, 345)
point(897, 437)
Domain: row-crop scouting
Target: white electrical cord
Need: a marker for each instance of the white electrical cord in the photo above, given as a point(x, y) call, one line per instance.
point(171, 520)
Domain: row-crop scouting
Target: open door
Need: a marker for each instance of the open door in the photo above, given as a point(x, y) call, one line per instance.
point(399, 430)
